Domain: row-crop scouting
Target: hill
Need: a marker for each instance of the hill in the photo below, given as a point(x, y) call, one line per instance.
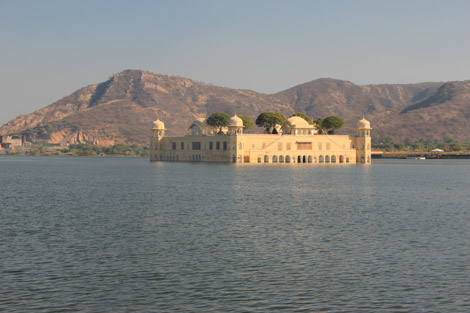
point(121, 109)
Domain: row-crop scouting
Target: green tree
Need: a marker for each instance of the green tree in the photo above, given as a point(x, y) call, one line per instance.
point(455, 146)
point(443, 146)
point(270, 119)
point(247, 122)
point(304, 116)
point(319, 124)
point(218, 120)
point(331, 123)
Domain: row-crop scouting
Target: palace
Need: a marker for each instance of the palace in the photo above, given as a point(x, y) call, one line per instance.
point(296, 142)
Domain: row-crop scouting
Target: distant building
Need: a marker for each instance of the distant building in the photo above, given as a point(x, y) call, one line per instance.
point(297, 142)
point(11, 141)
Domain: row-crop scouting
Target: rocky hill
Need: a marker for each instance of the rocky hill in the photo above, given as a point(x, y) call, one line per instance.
point(121, 109)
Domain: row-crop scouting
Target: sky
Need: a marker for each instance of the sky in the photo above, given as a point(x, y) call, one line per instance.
point(49, 49)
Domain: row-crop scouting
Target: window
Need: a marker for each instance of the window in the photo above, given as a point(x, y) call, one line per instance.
point(211, 145)
point(182, 146)
point(281, 159)
point(279, 146)
point(259, 160)
point(327, 159)
point(274, 158)
point(333, 159)
point(196, 145)
point(320, 159)
point(287, 158)
point(304, 146)
point(217, 145)
point(309, 159)
point(266, 159)
point(225, 145)
point(173, 146)
point(341, 159)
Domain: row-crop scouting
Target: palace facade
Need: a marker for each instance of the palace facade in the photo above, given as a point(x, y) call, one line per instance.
point(296, 142)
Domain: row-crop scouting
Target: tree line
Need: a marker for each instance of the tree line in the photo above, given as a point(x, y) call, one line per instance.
point(268, 120)
point(422, 144)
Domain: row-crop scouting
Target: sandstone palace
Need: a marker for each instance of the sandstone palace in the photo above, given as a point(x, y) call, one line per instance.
point(296, 142)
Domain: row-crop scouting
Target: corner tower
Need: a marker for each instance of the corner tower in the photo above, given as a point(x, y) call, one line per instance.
point(158, 132)
point(235, 125)
point(363, 142)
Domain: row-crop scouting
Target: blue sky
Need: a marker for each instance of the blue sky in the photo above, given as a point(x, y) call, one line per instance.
point(49, 49)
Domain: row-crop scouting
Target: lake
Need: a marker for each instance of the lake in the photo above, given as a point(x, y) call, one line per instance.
point(126, 235)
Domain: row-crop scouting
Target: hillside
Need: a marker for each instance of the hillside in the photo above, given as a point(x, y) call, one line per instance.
point(121, 109)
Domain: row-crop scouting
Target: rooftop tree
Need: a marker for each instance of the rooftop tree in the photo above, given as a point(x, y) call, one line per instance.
point(247, 122)
point(331, 123)
point(218, 120)
point(270, 119)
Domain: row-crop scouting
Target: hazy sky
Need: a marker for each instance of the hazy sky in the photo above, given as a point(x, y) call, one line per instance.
point(49, 49)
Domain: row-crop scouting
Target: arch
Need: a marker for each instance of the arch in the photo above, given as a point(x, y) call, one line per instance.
point(266, 159)
point(299, 159)
point(234, 159)
point(281, 159)
point(320, 159)
point(327, 159)
point(347, 160)
point(304, 159)
point(259, 160)
point(287, 158)
point(341, 159)
point(239, 159)
point(274, 158)
point(333, 159)
point(309, 159)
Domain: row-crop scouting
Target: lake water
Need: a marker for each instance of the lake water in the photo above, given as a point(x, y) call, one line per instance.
point(126, 235)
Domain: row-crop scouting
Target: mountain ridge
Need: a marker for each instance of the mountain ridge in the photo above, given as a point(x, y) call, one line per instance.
point(121, 109)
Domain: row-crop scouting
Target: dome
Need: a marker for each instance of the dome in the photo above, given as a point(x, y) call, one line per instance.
point(235, 121)
point(199, 122)
point(363, 124)
point(158, 125)
point(297, 122)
